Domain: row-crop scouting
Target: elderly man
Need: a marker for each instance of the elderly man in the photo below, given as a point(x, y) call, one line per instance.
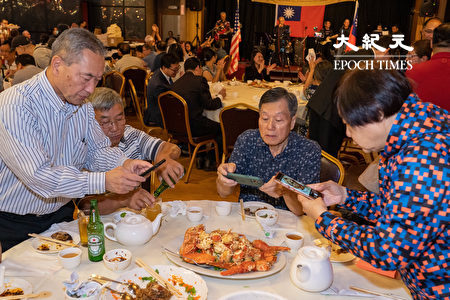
point(135, 144)
point(429, 77)
point(428, 28)
point(160, 83)
point(409, 217)
point(53, 148)
point(272, 148)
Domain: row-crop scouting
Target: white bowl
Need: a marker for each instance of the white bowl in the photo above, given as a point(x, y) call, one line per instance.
point(195, 213)
point(266, 217)
point(294, 240)
point(260, 295)
point(70, 258)
point(223, 208)
point(117, 259)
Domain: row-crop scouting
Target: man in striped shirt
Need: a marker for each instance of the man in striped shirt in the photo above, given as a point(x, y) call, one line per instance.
point(53, 149)
point(135, 144)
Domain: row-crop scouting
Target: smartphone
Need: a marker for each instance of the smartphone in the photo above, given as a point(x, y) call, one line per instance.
point(296, 186)
point(153, 167)
point(245, 179)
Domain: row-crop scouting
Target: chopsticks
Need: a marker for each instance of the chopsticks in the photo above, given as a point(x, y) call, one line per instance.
point(158, 278)
point(41, 237)
point(376, 293)
point(242, 209)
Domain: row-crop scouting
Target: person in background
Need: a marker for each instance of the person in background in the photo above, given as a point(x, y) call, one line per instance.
point(84, 25)
point(74, 25)
point(127, 60)
point(26, 68)
point(159, 83)
point(176, 50)
point(139, 52)
point(429, 77)
point(319, 69)
point(26, 34)
point(345, 29)
point(408, 230)
point(428, 28)
point(42, 52)
point(211, 71)
point(56, 149)
point(170, 38)
point(135, 144)
point(149, 55)
point(395, 29)
point(421, 52)
point(160, 51)
point(257, 68)
point(155, 33)
point(7, 62)
point(194, 89)
point(22, 45)
point(55, 32)
point(150, 41)
point(188, 50)
point(272, 148)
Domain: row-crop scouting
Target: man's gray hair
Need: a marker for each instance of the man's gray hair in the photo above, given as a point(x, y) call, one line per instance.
point(72, 42)
point(277, 94)
point(104, 99)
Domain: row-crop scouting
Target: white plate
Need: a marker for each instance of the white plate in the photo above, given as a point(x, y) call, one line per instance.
point(11, 283)
point(254, 205)
point(175, 244)
point(166, 272)
point(54, 248)
point(342, 257)
point(254, 295)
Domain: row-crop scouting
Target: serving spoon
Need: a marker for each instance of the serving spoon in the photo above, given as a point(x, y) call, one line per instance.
point(43, 294)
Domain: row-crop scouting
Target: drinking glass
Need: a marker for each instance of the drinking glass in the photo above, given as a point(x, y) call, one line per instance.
point(153, 211)
point(83, 221)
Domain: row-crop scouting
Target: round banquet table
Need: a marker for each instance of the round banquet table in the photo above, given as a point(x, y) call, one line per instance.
point(345, 274)
point(239, 92)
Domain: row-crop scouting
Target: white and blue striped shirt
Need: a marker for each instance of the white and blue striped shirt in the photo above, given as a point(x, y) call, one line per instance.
point(46, 143)
point(136, 144)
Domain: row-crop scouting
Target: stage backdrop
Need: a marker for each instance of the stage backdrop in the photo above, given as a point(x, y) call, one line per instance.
point(258, 18)
point(302, 20)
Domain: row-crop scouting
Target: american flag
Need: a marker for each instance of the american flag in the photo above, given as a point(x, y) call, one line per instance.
point(352, 37)
point(235, 40)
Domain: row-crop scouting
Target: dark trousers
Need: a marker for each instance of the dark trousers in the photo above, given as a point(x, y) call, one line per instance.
point(205, 126)
point(14, 229)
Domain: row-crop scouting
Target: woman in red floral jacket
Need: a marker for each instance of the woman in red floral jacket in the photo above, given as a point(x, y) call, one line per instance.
point(410, 215)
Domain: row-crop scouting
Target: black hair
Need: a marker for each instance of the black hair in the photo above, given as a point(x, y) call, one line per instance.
point(208, 54)
point(50, 42)
point(61, 28)
point(168, 59)
point(367, 96)
point(278, 93)
point(252, 57)
point(124, 48)
point(161, 45)
point(25, 60)
point(422, 48)
point(321, 70)
point(191, 63)
point(192, 47)
point(115, 55)
point(176, 50)
point(13, 33)
point(139, 48)
point(441, 36)
point(43, 38)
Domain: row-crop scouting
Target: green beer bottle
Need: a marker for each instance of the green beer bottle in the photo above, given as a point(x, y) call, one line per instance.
point(96, 235)
point(164, 186)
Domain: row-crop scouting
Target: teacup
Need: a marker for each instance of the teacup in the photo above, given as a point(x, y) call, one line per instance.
point(70, 258)
point(195, 213)
point(223, 208)
point(294, 240)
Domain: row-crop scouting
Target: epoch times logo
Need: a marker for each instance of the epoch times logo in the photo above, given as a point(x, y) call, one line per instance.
point(344, 62)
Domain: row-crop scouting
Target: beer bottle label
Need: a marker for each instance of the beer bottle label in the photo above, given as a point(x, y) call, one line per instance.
point(95, 245)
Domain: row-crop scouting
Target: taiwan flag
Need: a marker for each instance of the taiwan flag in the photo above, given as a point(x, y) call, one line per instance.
point(301, 19)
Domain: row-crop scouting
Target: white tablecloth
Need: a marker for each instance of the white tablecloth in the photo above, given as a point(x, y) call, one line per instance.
point(344, 274)
point(243, 93)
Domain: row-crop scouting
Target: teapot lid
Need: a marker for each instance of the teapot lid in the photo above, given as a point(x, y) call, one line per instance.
point(314, 253)
point(134, 220)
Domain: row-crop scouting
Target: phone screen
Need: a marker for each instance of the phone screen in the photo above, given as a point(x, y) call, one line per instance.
point(297, 186)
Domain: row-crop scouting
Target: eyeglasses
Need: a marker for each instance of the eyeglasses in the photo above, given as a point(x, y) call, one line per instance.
point(110, 124)
point(175, 69)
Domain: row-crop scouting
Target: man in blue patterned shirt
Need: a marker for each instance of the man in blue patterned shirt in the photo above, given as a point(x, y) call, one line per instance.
point(270, 149)
point(50, 138)
point(135, 144)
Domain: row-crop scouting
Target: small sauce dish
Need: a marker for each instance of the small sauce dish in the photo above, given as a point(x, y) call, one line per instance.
point(117, 259)
point(223, 208)
point(70, 258)
point(266, 217)
point(195, 213)
point(294, 240)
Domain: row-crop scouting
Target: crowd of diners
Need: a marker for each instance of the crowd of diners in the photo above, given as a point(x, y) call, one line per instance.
point(63, 138)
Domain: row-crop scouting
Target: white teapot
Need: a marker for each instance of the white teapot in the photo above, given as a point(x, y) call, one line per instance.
point(133, 230)
point(311, 270)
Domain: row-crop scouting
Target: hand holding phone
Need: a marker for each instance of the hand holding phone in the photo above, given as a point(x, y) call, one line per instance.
point(245, 179)
point(297, 187)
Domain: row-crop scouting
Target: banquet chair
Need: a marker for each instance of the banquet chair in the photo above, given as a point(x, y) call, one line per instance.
point(138, 75)
point(114, 80)
point(331, 168)
point(234, 120)
point(154, 131)
point(175, 116)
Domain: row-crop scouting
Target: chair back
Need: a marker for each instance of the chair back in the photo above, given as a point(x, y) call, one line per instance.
point(114, 80)
point(175, 116)
point(234, 120)
point(136, 104)
point(138, 76)
point(331, 169)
